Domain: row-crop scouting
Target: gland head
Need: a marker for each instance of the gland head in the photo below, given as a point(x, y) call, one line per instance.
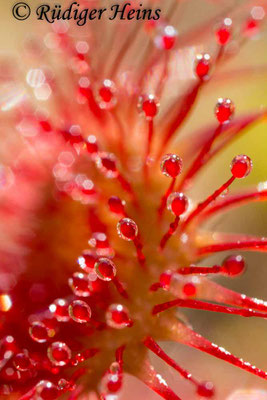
point(233, 265)
point(202, 66)
point(105, 269)
point(224, 110)
point(177, 203)
point(148, 105)
point(171, 165)
point(127, 229)
point(223, 33)
point(241, 166)
point(116, 205)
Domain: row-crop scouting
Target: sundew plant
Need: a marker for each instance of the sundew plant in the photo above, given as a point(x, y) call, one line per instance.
point(104, 242)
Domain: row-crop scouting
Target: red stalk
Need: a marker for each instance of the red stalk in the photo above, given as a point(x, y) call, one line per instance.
point(120, 288)
point(235, 200)
point(215, 269)
point(200, 158)
point(185, 335)
point(150, 124)
point(249, 245)
point(169, 233)
point(201, 206)
point(185, 107)
point(155, 382)
point(164, 198)
point(202, 305)
point(156, 349)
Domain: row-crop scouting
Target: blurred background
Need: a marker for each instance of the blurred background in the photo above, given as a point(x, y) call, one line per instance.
point(244, 80)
